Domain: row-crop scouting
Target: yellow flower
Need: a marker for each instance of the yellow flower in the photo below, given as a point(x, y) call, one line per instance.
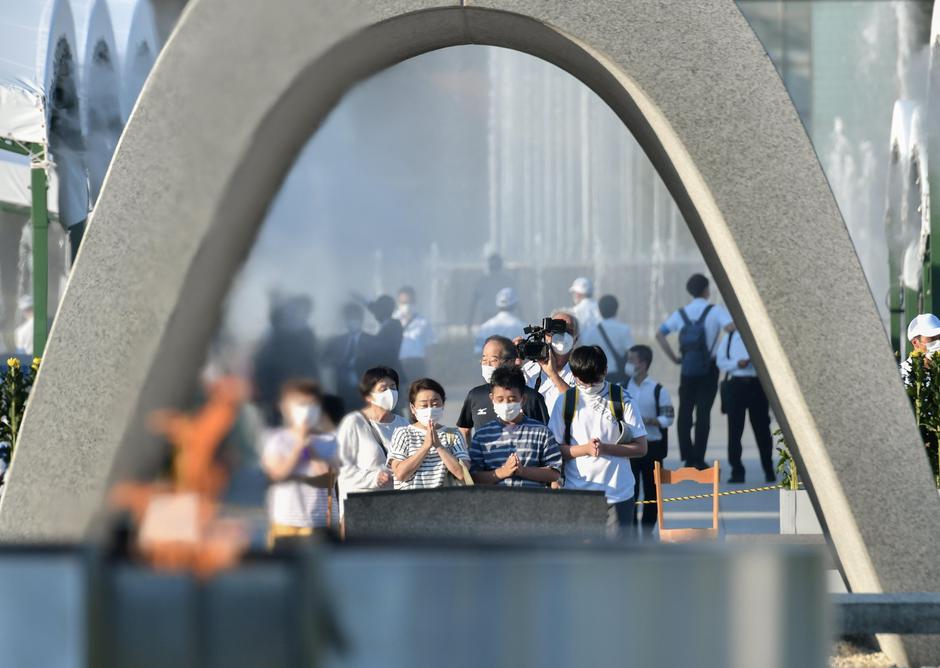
point(917, 353)
point(13, 363)
point(36, 361)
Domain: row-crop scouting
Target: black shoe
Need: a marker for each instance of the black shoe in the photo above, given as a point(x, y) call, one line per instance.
point(736, 479)
point(689, 464)
point(770, 477)
point(702, 466)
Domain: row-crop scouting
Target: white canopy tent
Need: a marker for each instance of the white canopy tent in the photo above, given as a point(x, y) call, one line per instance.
point(40, 117)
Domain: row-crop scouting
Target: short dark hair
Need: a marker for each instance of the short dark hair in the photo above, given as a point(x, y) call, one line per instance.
point(696, 285)
point(608, 306)
point(510, 378)
point(425, 384)
point(588, 364)
point(495, 262)
point(305, 386)
point(645, 353)
point(509, 348)
point(333, 407)
point(382, 308)
point(407, 290)
point(373, 376)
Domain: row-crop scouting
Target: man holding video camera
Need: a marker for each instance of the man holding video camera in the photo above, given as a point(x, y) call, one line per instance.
point(546, 350)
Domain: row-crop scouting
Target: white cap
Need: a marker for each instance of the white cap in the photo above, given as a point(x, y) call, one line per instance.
point(506, 298)
point(582, 286)
point(926, 324)
point(25, 302)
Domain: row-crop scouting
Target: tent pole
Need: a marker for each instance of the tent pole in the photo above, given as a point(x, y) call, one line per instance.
point(40, 221)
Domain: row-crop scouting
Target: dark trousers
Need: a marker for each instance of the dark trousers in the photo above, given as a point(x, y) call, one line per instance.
point(747, 396)
point(619, 518)
point(643, 477)
point(696, 393)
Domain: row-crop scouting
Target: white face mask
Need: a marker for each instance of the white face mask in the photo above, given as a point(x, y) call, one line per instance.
point(563, 344)
point(630, 369)
point(430, 414)
point(933, 347)
point(507, 411)
point(405, 309)
point(592, 390)
point(386, 399)
point(304, 415)
point(487, 372)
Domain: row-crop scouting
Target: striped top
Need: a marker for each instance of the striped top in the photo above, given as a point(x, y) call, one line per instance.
point(293, 502)
point(406, 441)
point(532, 441)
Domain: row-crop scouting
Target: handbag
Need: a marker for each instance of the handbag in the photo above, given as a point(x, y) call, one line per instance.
point(450, 480)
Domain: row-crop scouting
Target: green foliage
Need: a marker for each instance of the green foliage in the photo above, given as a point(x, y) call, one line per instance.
point(786, 465)
point(923, 388)
point(16, 382)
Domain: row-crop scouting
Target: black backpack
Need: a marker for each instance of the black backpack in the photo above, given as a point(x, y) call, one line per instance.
point(693, 345)
point(616, 399)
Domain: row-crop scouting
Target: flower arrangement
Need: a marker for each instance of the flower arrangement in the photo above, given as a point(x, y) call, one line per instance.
point(786, 465)
point(16, 382)
point(922, 381)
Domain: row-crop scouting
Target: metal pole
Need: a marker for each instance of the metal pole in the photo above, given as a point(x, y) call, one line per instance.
point(40, 219)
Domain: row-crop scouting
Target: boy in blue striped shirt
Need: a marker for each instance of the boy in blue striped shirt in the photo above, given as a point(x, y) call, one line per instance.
point(513, 450)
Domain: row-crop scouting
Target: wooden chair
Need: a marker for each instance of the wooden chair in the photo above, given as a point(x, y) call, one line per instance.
point(666, 477)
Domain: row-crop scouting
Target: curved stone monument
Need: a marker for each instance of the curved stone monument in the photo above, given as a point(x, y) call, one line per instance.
point(241, 86)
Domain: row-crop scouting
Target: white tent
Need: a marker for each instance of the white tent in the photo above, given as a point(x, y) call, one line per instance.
point(138, 43)
point(99, 87)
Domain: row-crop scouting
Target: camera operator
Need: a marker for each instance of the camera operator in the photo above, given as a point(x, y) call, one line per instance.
point(551, 376)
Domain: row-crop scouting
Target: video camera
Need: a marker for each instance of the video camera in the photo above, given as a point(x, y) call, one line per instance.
point(534, 347)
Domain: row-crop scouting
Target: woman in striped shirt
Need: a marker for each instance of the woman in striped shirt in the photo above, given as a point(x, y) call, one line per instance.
point(424, 453)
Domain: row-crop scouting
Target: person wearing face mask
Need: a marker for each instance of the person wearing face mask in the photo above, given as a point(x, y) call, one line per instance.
point(655, 406)
point(417, 336)
point(498, 352)
point(552, 377)
point(505, 323)
point(364, 435)
point(298, 459)
point(341, 353)
point(599, 430)
point(423, 454)
point(513, 450)
point(924, 334)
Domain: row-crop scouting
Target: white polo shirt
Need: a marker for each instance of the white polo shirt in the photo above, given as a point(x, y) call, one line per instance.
point(620, 336)
point(730, 351)
point(503, 323)
point(718, 318)
point(587, 313)
point(417, 335)
point(535, 376)
point(593, 419)
point(644, 396)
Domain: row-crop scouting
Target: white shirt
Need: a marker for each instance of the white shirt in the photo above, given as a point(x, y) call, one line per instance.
point(619, 335)
point(587, 313)
point(293, 502)
point(644, 396)
point(360, 457)
point(728, 361)
point(593, 419)
point(503, 323)
point(533, 372)
point(718, 318)
point(417, 335)
point(23, 338)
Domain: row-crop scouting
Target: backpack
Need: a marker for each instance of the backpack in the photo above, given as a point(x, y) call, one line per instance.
point(693, 346)
point(571, 401)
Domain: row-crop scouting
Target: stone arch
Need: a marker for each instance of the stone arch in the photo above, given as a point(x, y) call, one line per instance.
point(226, 110)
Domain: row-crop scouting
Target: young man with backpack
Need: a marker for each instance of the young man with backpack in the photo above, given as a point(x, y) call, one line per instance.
point(699, 325)
point(599, 430)
point(655, 406)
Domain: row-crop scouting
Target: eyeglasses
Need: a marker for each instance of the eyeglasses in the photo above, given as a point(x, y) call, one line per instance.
point(494, 361)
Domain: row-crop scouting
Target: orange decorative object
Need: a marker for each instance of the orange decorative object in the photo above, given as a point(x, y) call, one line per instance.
point(177, 520)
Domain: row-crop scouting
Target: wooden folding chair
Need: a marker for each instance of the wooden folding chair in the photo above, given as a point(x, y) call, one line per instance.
point(666, 477)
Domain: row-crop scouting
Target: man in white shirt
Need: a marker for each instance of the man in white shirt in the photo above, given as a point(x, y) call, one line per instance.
point(505, 323)
point(417, 336)
point(599, 429)
point(585, 308)
point(699, 325)
point(924, 334)
point(23, 336)
point(744, 396)
point(552, 377)
point(657, 413)
point(613, 336)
